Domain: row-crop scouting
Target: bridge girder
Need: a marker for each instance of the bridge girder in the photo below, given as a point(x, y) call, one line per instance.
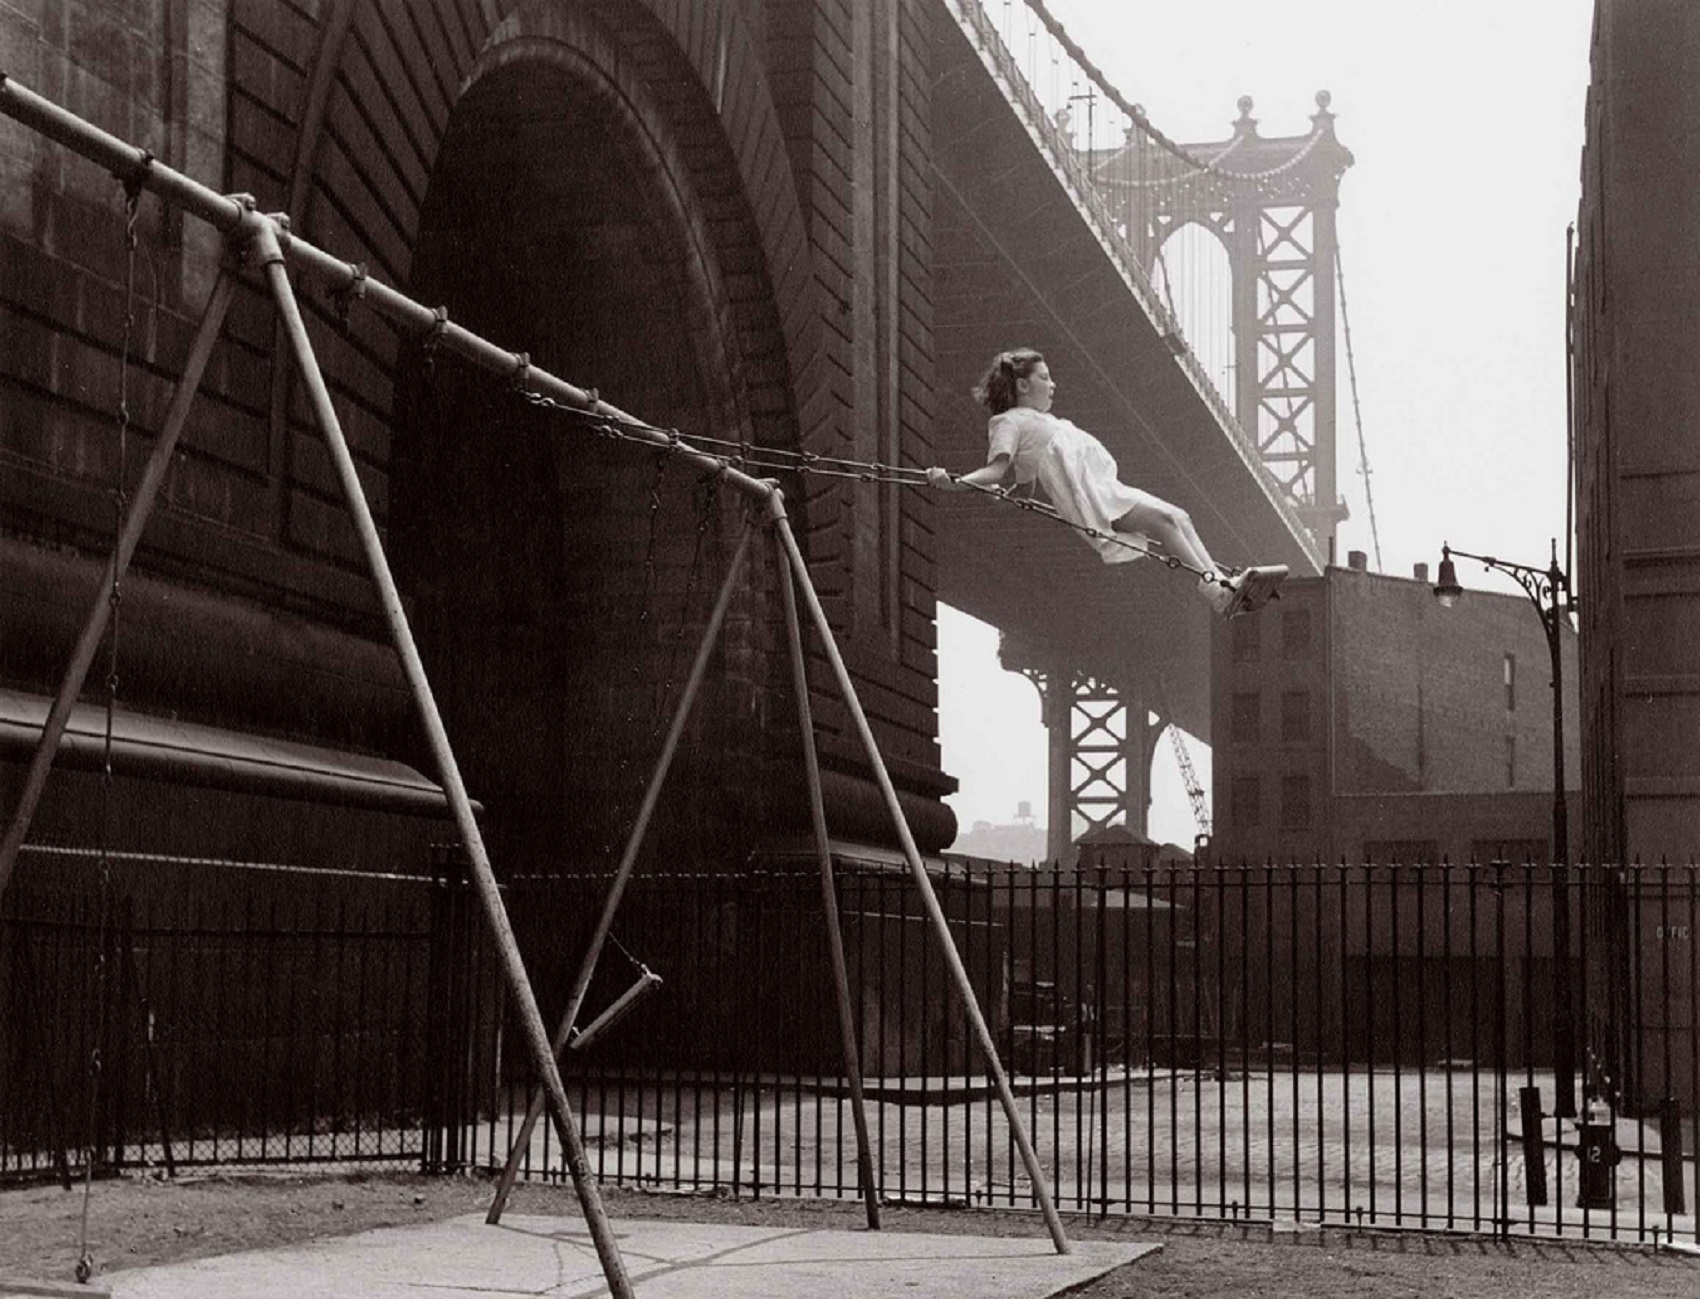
point(1024, 255)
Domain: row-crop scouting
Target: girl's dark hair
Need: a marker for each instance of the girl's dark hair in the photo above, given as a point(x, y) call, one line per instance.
point(996, 390)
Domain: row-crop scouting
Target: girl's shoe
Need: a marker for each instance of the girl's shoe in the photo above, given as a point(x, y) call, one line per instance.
point(1219, 591)
point(1255, 587)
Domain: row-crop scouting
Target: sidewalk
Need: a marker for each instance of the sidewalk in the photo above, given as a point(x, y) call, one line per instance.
point(528, 1255)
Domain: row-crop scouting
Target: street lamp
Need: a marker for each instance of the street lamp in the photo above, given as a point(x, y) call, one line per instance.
point(1549, 590)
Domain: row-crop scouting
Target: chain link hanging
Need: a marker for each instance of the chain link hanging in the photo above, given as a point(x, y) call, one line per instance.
point(743, 456)
point(115, 596)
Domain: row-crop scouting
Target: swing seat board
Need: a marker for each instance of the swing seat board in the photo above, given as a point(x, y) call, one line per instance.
point(532, 1254)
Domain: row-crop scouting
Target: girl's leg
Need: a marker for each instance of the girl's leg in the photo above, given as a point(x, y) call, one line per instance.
point(1171, 527)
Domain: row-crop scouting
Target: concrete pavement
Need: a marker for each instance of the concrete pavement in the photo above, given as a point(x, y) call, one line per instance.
point(551, 1256)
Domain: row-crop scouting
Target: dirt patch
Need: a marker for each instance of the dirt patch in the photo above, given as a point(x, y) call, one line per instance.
point(136, 1222)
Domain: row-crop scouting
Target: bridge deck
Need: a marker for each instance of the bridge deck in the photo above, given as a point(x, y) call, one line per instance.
point(1020, 261)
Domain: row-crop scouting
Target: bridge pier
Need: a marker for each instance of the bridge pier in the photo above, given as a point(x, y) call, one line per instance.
point(1100, 740)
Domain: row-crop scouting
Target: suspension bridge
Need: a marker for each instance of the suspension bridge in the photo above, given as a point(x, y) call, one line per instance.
point(1187, 295)
point(428, 415)
point(805, 238)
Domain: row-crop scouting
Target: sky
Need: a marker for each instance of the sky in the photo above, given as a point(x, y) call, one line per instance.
point(1465, 119)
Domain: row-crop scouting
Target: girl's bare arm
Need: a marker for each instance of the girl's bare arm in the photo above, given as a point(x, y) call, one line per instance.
point(989, 474)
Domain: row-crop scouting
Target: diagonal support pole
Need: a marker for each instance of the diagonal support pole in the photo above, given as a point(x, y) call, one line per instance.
point(935, 913)
point(828, 889)
point(232, 214)
point(628, 863)
point(129, 535)
point(484, 879)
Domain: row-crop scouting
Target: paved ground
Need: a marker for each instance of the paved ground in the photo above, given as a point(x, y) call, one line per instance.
point(531, 1255)
point(1411, 1149)
point(146, 1222)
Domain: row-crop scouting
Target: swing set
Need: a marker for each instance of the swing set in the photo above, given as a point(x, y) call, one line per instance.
point(263, 241)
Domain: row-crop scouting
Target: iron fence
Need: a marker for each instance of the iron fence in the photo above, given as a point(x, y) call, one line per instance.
point(169, 1012)
point(1369, 1045)
point(1365, 1045)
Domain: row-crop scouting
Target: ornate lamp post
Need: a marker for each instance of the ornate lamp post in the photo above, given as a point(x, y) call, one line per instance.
point(1549, 590)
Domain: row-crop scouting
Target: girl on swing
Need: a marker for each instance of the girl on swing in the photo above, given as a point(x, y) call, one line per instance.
point(1079, 476)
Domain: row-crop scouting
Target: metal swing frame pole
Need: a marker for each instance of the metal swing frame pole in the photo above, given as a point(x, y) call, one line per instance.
point(124, 548)
point(912, 854)
point(234, 214)
point(536, 1037)
point(628, 864)
point(828, 888)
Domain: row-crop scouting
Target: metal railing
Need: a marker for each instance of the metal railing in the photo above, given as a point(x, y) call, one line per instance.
point(1363, 1045)
point(172, 1012)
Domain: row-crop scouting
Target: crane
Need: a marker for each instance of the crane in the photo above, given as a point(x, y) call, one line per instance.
point(1189, 777)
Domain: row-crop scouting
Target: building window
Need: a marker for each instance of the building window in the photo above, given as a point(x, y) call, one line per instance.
point(1295, 802)
point(1295, 716)
point(1245, 633)
point(1511, 762)
point(1295, 634)
point(1510, 683)
point(1245, 793)
point(1245, 717)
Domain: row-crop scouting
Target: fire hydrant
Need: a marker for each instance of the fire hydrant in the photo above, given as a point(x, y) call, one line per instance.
point(1598, 1155)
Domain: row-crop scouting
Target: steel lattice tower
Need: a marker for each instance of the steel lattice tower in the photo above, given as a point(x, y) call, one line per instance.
point(1271, 202)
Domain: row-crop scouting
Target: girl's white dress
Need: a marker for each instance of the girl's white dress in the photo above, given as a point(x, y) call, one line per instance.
point(1076, 471)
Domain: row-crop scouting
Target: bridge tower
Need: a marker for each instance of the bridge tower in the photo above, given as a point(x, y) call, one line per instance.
point(1102, 738)
point(1271, 202)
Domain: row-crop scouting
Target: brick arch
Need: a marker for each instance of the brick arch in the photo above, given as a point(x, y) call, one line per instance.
point(374, 89)
point(543, 69)
point(550, 596)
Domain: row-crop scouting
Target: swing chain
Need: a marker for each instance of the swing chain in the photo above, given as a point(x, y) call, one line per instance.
point(705, 498)
point(745, 456)
point(133, 186)
point(639, 630)
point(621, 948)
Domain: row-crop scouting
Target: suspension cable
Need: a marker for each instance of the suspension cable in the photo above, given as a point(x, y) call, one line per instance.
point(1054, 26)
point(745, 457)
point(1357, 413)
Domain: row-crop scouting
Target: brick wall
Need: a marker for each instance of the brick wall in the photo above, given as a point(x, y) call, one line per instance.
point(1638, 434)
point(1269, 727)
point(1400, 700)
point(337, 112)
point(850, 87)
point(1420, 691)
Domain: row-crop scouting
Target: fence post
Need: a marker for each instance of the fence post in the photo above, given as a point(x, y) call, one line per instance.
point(444, 1064)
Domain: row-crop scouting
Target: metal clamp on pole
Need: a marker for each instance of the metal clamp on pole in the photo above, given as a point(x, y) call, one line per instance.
point(280, 227)
point(438, 330)
point(137, 180)
point(344, 298)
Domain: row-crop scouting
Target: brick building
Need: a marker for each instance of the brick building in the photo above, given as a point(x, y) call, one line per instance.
point(731, 238)
point(1635, 336)
point(1355, 719)
point(1638, 434)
